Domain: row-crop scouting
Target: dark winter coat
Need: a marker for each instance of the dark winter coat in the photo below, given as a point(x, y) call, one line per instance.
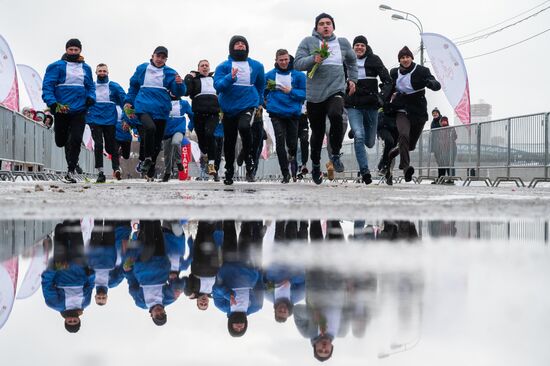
point(414, 104)
point(366, 92)
point(202, 103)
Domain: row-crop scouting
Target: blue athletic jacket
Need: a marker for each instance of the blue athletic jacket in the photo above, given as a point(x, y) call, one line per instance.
point(177, 122)
point(109, 95)
point(233, 275)
point(150, 88)
point(73, 276)
point(175, 248)
point(281, 104)
point(276, 274)
point(136, 291)
point(68, 83)
point(242, 93)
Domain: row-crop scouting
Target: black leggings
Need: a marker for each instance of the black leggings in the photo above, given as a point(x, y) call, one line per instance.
point(125, 149)
point(232, 126)
point(68, 129)
point(205, 124)
point(153, 133)
point(317, 113)
point(286, 134)
point(107, 133)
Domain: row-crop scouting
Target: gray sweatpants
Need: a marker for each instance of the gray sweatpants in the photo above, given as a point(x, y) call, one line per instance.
point(172, 151)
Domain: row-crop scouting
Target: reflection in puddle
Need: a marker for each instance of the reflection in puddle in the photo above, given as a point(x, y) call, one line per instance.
point(349, 290)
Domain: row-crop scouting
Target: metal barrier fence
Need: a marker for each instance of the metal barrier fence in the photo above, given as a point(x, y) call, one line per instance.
point(30, 150)
point(515, 150)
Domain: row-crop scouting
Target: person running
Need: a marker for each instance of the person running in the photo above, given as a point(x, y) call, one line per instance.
point(285, 94)
point(362, 107)
point(407, 102)
point(200, 88)
point(173, 136)
point(325, 89)
point(240, 84)
point(68, 90)
point(102, 118)
point(149, 99)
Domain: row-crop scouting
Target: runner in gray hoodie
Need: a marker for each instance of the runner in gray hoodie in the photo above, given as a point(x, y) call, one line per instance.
point(325, 90)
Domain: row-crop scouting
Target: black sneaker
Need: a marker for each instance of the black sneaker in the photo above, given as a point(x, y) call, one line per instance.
point(389, 177)
point(409, 171)
point(367, 178)
point(250, 177)
point(316, 174)
point(166, 177)
point(286, 178)
point(69, 178)
point(146, 165)
point(304, 170)
point(117, 174)
point(228, 181)
point(101, 178)
point(78, 169)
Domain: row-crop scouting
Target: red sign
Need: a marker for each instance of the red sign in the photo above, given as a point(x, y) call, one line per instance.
point(185, 157)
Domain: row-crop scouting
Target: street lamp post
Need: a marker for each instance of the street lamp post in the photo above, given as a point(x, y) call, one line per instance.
point(407, 17)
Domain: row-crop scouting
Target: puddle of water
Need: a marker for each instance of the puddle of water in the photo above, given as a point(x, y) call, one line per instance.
point(174, 291)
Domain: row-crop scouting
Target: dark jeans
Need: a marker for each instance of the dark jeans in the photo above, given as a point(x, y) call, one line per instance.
point(409, 133)
point(333, 107)
point(303, 136)
point(153, 133)
point(125, 148)
point(69, 129)
point(232, 126)
point(107, 133)
point(205, 124)
point(286, 135)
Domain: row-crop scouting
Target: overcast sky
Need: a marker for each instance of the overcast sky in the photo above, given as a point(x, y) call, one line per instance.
point(124, 33)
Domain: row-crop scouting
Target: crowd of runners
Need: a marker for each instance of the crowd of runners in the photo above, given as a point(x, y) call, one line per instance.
point(326, 84)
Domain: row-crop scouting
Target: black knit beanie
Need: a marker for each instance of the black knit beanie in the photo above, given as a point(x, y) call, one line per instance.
point(73, 42)
point(405, 52)
point(324, 15)
point(360, 39)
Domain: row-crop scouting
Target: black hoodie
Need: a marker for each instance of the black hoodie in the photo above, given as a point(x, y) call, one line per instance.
point(366, 91)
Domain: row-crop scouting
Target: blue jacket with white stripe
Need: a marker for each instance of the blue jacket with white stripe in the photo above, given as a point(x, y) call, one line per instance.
point(280, 103)
point(68, 83)
point(177, 122)
point(150, 89)
point(109, 95)
point(237, 95)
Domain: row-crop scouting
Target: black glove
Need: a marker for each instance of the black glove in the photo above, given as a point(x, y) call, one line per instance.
point(351, 135)
point(90, 101)
point(433, 85)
